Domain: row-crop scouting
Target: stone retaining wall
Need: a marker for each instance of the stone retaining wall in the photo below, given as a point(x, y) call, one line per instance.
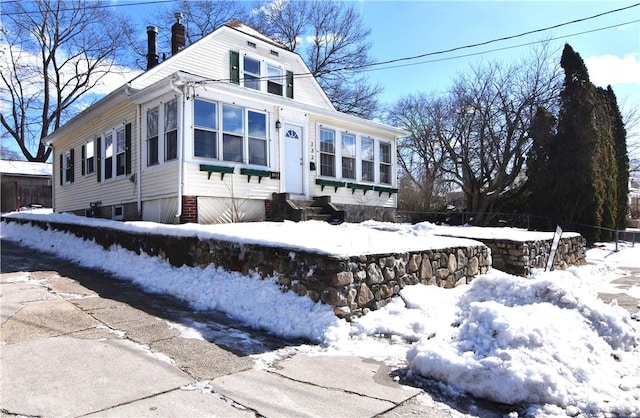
point(352, 285)
point(520, 257)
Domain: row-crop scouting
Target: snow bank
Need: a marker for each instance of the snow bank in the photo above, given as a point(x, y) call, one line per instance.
point(536, 341)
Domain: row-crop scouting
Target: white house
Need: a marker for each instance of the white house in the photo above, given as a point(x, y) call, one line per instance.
point(213, 132)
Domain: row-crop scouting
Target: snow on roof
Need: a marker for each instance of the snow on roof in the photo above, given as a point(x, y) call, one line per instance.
point(26, 168)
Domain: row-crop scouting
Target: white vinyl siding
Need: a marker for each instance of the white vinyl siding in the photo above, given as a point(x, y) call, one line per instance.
point(86, 189)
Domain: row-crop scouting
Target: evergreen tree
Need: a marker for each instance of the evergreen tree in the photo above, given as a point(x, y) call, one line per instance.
point(578, 175)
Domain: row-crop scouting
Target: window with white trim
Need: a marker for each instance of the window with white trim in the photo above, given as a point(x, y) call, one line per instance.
point(67, 167)
point(327, 153)
point(171, 130)
point(348, 156)
point(205, 132)
point(235, 133)
point(114, 151)
point(367, 159)
point(385, 162)
point(88, 158)
point(275, 80)
point(152, 136)
point(251, 67)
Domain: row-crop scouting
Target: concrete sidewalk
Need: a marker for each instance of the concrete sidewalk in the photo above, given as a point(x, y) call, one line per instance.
point(65, 350)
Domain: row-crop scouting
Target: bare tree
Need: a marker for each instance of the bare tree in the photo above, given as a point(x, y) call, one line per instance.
point(421, 156)
point(54, 54)
point(487, 138)
point(477, 135)
point(332, 39)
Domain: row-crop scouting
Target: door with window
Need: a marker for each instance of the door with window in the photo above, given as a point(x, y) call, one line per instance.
point(293, 159)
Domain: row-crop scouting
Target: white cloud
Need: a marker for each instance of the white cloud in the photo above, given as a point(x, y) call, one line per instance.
point(611, 69)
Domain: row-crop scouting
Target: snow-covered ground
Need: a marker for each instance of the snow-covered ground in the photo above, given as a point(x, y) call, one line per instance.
point(545, 343)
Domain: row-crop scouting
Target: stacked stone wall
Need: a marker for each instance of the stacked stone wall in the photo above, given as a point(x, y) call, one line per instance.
point(353, 285)
point(517, 257)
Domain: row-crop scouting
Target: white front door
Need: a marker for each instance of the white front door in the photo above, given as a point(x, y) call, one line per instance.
point(293, 160)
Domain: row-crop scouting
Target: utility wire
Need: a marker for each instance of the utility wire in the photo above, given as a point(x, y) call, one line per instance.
point(99, 6)
point(504, 38)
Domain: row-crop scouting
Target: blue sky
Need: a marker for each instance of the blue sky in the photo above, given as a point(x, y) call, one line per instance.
point(409, 28)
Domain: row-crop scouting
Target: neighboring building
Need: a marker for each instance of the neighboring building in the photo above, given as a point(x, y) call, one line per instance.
point(634, 202)
point(25, 184)
point(211, 133)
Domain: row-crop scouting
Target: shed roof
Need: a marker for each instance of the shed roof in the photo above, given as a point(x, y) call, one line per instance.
point(26, 168)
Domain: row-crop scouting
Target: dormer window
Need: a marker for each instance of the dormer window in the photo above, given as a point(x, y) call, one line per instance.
point(257, 74)
point(251, 73)
point(275, 80)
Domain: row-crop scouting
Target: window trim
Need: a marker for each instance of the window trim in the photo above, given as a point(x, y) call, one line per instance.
point(125, 152)
point(377, 164)
point(89, 147)
point(161, 146)
point(223, 133)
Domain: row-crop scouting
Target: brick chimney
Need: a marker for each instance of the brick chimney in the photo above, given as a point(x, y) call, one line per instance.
point(177, 35)
point(152, 47)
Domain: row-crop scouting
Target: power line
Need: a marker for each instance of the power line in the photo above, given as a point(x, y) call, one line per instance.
point(87, 6)
point(504, 38)
point(502, 49)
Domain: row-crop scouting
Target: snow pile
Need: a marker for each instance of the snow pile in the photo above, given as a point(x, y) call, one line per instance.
point(258, 303)
point(536, 341)
point(546, 343)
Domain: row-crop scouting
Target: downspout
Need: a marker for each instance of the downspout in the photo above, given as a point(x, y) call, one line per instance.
point(180, 146)
point(128, 92)
point(139, 165)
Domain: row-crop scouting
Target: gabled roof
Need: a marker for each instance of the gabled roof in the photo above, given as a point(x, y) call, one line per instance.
point(248, 30)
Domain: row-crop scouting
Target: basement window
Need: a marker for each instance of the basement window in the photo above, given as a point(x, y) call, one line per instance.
point(118, 213)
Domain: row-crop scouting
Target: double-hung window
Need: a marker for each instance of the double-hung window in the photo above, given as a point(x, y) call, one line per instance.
point(205, 135)
point(257, 122)
point(67, 166)
point(152, 136)
point(171, 130)
point(108, 155)
point(327, 153)
point(251, 73)
point(232, 133)
point(275, 80)
point(88, 158)
point(367, 159)
point(120, 152)
point(348, 156)
point(385, 162)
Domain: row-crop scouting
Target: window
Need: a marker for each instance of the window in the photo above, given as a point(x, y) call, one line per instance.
point(117, 213)
point(257, 137)
point(275, 82)
point(327, 153)
point(251, 73)
point(233, 133)
point(120, 152)
point(66, 167)
point(205, 136)
point(366, 152)
point(108, 156)
point(88, 158)
point(152, 136)
point(171, 130)
point(348, 156)
point(385, 163)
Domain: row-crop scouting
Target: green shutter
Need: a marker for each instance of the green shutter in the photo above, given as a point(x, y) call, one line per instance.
point(234, 67)
point(127, 148)
point(84, 158)
point(72, 168)
point(290, 84)
point(61, 169)
point(98, 158)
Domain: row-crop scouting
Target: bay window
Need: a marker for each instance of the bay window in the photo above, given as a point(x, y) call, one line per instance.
point(257, 138)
